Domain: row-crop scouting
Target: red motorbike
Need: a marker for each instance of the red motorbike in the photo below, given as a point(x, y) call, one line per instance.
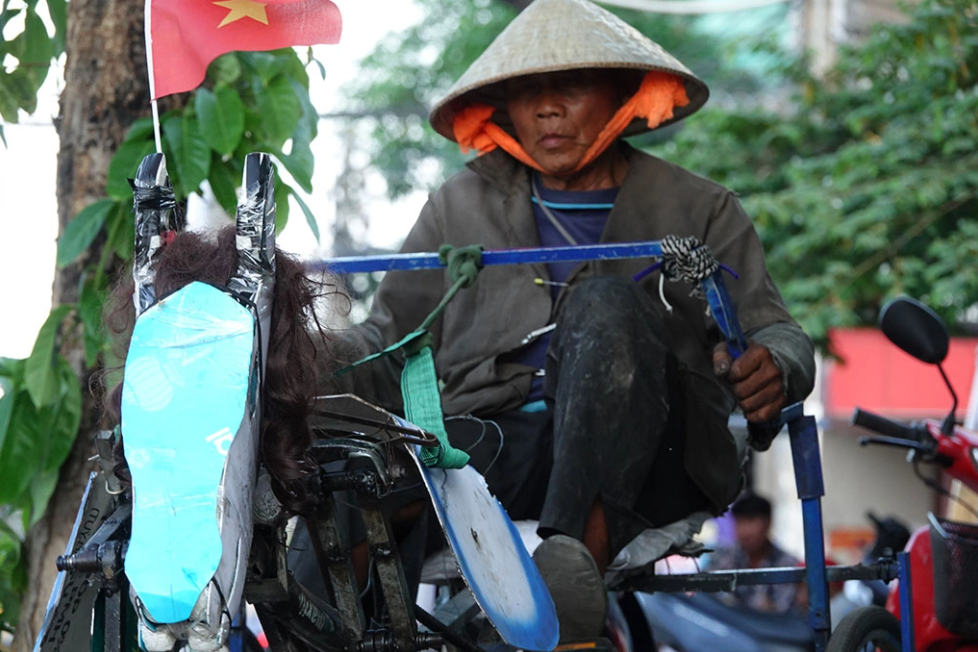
point(943, 555)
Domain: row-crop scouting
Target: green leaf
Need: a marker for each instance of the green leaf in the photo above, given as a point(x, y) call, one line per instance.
point(310, 58)
point(6, 407)
point(90, 302)
point(6, 15)
point(3, 137)
point(124, 164)
point(19, 455)
point(39, 47)
point(59, 16)
point(190, 155)
point(28, 81)
point(140, 130)
point(13, 575)
point(81, 231)
point(293, 66)
point(226, 68)
point(41, 489)
point(121, 233)
point(14, 95)
point(40, 377)
point(224, 179)
point(221, 118)
point(13, 368)
point(6, 530)
point(280, 110)
point(262, 64)
point(310, 218)
point(300, 161)
point(282, 192)
point(62, 421)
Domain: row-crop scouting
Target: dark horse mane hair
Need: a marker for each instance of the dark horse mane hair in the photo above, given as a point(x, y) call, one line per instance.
point(296, 340)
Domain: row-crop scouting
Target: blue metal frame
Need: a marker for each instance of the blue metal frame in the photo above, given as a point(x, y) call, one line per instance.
point(727, 581)
point(802, 429)
point(805, 455)
point(906, 603)
point(723, 314)
point(716, 291)
point(414, 261)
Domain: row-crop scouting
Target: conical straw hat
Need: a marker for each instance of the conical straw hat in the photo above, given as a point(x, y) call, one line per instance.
point(553, 35)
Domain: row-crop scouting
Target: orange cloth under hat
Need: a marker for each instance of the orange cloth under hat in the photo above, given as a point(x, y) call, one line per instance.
point(655, 100)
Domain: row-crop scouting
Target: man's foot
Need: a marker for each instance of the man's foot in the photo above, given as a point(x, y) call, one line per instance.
point(575, 585)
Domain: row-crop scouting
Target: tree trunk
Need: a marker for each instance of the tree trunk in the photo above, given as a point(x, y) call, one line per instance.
point(106, 89)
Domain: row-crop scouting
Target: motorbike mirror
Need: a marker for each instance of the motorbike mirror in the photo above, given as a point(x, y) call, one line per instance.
point(915, 328)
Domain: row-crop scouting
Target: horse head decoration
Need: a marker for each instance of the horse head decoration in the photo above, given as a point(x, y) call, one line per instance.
point(190, 419)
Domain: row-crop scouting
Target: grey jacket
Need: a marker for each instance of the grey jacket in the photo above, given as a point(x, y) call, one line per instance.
point(489, 204)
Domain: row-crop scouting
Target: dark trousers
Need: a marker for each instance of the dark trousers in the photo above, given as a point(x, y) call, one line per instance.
point(613, 427)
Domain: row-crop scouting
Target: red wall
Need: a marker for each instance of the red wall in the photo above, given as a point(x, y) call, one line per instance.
point(875, 375)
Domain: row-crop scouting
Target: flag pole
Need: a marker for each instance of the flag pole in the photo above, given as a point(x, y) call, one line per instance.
point(147, 21)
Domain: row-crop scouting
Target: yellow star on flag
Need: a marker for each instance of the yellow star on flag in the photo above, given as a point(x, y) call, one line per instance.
point(238, 9)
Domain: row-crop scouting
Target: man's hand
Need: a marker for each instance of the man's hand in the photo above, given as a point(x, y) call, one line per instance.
point(756, 380)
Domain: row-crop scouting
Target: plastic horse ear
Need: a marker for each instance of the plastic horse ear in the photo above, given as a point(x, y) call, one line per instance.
point(253, 281)
point(153, 204)
point(190, 420)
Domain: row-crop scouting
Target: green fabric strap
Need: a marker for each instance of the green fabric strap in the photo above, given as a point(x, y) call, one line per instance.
point(422, 407)
point(393, 348)
point(419, 382)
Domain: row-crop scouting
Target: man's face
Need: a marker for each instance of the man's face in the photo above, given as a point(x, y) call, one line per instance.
point(558, 115)
point(752, 533)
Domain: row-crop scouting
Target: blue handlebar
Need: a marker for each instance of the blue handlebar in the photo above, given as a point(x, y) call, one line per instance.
point(714, 287)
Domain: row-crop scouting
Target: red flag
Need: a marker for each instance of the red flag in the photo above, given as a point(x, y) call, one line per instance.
point(186, 35)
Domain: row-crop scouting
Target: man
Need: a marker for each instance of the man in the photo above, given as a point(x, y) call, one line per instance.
point(754, 549)
point(615, 419)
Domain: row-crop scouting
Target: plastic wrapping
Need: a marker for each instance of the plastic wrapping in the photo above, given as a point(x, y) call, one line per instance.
point(253, 282)
point(153, 204)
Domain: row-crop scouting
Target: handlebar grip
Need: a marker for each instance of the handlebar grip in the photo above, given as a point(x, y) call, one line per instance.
point(882, 425)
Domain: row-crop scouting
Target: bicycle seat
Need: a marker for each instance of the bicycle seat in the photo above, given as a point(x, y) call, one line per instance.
point(349, 416)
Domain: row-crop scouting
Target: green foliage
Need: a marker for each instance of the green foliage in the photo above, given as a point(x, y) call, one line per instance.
point(82, 230)
point(411, 69)
point(33, 49)
point(221, 115)
point(868, 188)
point(40, 369)
point(40, 412)
point(250, 102)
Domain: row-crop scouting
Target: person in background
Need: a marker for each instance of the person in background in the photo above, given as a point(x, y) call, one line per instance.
point(754, 549)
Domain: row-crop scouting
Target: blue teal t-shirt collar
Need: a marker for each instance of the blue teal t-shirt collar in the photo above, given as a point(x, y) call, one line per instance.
point(564, 200)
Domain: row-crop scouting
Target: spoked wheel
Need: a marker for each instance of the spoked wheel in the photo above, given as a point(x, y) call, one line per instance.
point(867, 629)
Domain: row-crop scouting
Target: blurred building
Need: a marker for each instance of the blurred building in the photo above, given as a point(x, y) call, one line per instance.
point(824, 25)
point(873, 374)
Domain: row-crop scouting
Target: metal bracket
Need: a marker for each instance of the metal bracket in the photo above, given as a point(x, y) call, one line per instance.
point(383, 550)
point(333, 554)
